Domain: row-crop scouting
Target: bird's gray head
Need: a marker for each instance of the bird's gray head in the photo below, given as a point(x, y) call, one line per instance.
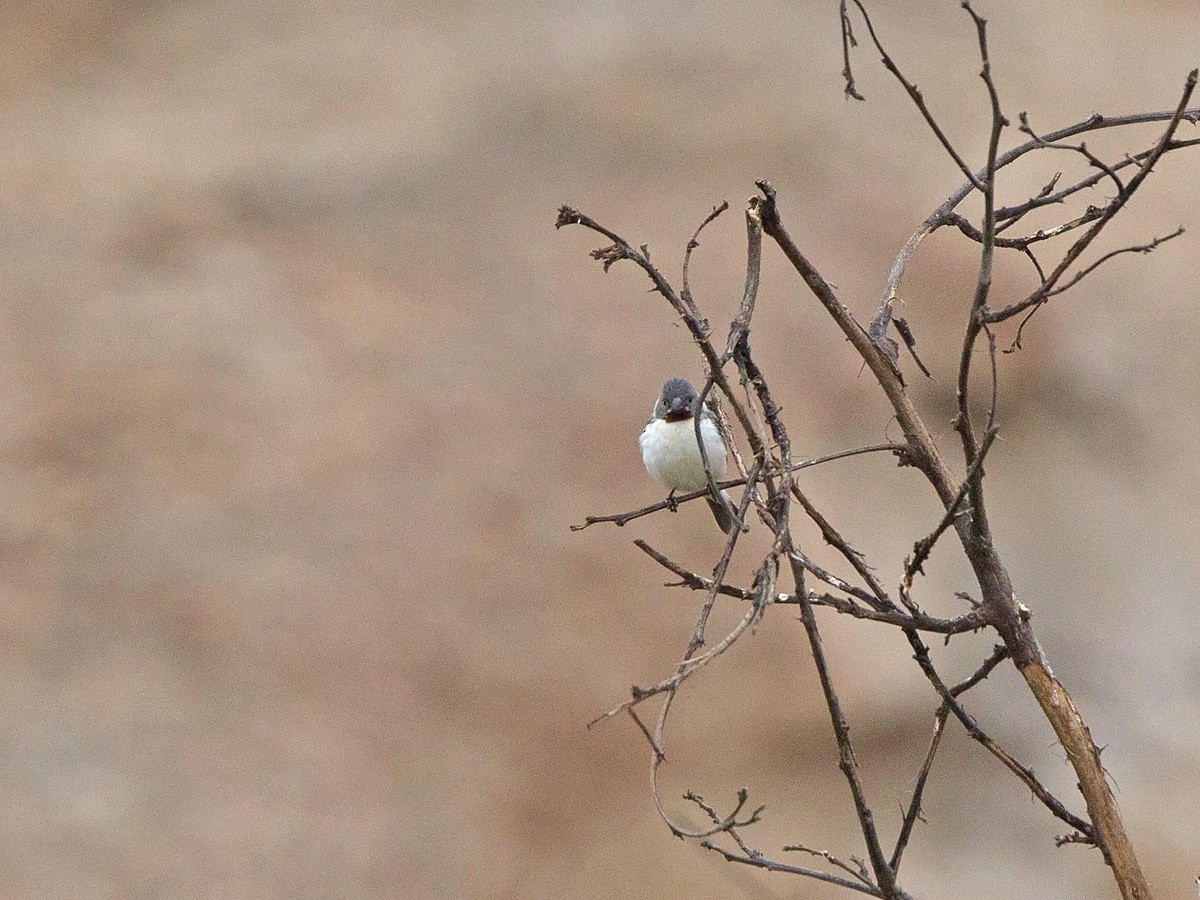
point(677, 401)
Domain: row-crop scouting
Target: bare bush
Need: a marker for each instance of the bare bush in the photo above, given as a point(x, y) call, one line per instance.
point(1060, 257)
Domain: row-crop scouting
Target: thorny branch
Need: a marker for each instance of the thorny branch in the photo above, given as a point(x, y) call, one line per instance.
point(769, 487)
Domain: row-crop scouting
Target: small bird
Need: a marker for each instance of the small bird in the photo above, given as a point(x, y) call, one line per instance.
point(670, 451)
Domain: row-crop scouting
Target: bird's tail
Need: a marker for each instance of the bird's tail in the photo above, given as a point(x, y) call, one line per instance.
point(723, 512)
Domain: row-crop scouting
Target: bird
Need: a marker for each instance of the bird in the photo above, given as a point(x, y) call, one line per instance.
point(671, 454)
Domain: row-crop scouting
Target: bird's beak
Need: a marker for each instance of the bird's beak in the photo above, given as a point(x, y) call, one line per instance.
point(678, 407)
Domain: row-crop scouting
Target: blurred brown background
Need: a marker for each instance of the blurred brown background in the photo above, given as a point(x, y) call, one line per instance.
point(302, 389)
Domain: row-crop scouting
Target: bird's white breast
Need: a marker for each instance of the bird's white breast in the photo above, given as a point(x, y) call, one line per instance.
point(672, 456)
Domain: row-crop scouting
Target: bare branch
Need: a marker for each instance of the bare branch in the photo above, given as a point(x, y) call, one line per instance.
point(621, 519)
point(848, 41)
point(941, 215)
point(859, 872)
point(923, 451)
point(692, 579)
point(1023, 772)
point(1091, 214)
point(910, 341)
point(999, 654)
point(685, 292)
point(977, 520)
point(1140, 248)
point(917, 621)
point(739, 330)
point(1010, 215)
point(696, 325)
point(650, 738)
point(877, 598)
point(725, 824)
point(1044, 291)
point(759, 861)
point(923, 547)
point(833, 581)
point(841, 729)
point(917, 98)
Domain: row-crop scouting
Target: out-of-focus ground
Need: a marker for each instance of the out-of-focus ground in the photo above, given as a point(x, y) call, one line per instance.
point(301, 390)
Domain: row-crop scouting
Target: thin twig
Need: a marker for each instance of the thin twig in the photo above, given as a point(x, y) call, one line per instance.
point(923, 547)
point(1010, 215)
point(841, 729)
point(758, 861)
point(1140, 248)
point(976, 523)
point(1116, 205)
point(878, 597)
point(917, 98)
point(941, 215)
point(698, 327)
point(685, 290)
point(858, 873)
point(692, 579)
point(848, 41)
point(999, 654)
point(918, 621)
point(725, 824)
point(1023, 772)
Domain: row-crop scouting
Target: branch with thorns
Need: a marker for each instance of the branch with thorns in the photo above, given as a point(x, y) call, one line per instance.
point(771, 492)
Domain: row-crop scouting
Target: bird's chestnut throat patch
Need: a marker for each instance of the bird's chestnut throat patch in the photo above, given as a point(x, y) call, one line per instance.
point(677, 417)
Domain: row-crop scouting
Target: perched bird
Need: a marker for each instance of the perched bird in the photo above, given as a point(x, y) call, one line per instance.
point(670, 451)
